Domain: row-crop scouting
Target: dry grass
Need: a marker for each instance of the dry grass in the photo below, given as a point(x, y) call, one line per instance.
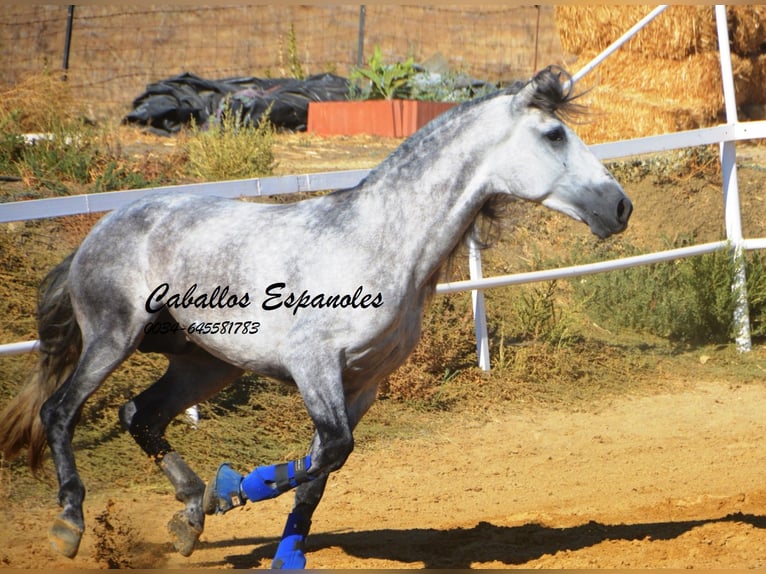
point(40, 103)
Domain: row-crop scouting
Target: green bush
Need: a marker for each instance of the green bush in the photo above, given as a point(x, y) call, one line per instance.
point(68, 150)
point(66, 153)
point(687, 300)
point(11, 144)
point(756, 293)
point(536, 315)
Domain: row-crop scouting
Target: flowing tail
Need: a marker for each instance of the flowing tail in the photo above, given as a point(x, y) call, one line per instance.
point(60, 347)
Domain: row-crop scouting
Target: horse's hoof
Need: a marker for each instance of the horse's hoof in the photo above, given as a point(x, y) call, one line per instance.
point(185, 534)
point(289, 554)
point(65, 537)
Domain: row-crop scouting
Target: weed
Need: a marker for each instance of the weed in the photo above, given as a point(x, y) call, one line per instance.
point(11, 144)
point(668, 167)
point(755, 268)
point(38, 103)
point(539, 317)
point(687, 300)
point(446, 349)
point(230, 149)
point(296, 69)
point(66, 153)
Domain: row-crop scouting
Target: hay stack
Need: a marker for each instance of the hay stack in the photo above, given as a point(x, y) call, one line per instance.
point(747, 33)
point(668, 77)
point(677, 33)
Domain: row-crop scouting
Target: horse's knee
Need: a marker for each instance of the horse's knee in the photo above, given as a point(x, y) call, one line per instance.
point(332, 455)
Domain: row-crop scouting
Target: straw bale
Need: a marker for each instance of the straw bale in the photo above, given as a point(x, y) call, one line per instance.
point(752, 89)
point(747, 32)
point(615, 115)
point(694, 82)
point(677, 33)
point(631, 95)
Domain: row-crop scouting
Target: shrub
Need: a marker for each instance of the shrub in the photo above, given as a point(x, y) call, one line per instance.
point(66, 153)
point(687, 300)
point(230, 149)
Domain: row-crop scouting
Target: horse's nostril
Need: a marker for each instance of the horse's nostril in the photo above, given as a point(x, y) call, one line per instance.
point(624, 208)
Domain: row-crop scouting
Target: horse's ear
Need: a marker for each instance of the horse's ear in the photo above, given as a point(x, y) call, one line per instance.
point(549, 89)
point(525, 95)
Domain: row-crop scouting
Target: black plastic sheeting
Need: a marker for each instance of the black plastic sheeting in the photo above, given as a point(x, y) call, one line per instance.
point(168, 105)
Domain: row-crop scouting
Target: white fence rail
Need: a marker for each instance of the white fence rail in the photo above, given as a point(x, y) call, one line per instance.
point(724, 135)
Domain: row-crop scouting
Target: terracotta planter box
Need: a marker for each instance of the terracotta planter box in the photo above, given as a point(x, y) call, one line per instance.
point(389, 118)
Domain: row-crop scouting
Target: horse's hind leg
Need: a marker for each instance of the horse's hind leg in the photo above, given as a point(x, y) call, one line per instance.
point(59, 415)
point(190, 378)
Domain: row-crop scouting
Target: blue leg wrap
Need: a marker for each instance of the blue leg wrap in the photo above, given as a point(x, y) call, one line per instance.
point(228, 489)
point(289, 554)
point(270, 481)
point(223, 492)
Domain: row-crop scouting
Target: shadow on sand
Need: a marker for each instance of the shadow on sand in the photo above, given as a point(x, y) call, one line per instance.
point(459, 548)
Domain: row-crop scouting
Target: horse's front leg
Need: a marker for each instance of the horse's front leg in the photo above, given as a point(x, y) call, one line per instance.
point(229, 489)
point(290, 552)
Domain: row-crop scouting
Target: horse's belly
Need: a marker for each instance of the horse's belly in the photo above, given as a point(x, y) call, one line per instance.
point(373, 362)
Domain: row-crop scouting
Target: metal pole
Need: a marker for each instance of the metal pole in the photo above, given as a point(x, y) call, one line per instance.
point(731, 190)
point(619, 42)
point(360, 42)
point(68, 39)
point(537, 39)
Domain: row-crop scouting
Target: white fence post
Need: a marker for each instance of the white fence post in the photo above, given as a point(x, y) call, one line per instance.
point(731, 189)
point(479, 311)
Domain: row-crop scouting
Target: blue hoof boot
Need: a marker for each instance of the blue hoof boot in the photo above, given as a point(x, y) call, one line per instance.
point(290, 554)
point(223, 492)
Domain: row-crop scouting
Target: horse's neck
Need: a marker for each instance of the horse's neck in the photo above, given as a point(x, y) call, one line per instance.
point(424, 201)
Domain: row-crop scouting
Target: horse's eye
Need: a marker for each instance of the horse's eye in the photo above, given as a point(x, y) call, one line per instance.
point(556, 134)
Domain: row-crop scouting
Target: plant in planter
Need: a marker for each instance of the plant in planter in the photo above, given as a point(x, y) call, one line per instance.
point(379, 103)
point(381, 81)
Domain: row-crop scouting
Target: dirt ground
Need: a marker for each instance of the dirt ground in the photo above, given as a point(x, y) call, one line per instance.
point(671, 480)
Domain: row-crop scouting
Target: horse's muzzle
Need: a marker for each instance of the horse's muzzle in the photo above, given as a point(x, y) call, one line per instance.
point(612, 215)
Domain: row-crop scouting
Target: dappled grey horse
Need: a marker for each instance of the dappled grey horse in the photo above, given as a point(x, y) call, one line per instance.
point(326, 294)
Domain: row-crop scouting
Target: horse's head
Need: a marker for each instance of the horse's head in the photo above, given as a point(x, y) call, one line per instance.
point(542, 160)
